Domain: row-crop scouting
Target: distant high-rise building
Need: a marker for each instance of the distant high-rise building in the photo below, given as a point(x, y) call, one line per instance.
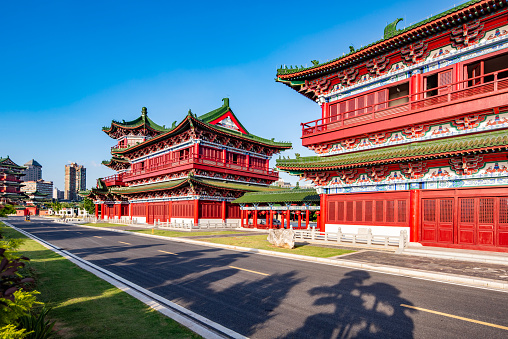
point(57, 194)
point(33, 171)
point(43, 188)
point(75, 181)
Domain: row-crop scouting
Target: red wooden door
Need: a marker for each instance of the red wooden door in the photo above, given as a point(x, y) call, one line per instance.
point(150, 214)
point(502, 226)
point(445, 232)
point(437, 220)
point(485, 229)
point(429, 222)
point(466, 226)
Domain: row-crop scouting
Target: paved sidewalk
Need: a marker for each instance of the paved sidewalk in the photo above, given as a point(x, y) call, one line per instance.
point(438, 265)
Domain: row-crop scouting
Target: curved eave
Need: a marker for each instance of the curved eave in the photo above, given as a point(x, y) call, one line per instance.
point(189, 119)
point(436, 24)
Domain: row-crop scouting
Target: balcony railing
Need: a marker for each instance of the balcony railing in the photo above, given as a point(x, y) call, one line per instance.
point(485, 84)
point(114, 180)
point(174, 165)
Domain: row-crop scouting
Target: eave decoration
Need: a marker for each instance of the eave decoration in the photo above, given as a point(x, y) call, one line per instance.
point(414, 53)
point(467, 34)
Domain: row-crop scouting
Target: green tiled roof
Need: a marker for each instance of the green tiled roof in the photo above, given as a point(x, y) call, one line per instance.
point(7, 162)
point(148, 187)
point(283, 71)
point(205, 119)
point(143, 120)
point(416, 150)
point(190, 179)
point(234, 186)
point(281, 196)
point(217, 113)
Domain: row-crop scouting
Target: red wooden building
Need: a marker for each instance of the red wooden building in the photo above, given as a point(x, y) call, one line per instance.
point(189, 172)
point(412, 134)
point(10, 181)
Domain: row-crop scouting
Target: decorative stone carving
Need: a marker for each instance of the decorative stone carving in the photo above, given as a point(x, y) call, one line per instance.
point(282, 238)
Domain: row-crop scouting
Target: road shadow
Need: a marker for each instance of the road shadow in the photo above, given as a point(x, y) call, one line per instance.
point(356, 309)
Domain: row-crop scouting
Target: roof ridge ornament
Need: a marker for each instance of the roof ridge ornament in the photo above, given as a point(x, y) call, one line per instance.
point(391, 29)
point(144, 111)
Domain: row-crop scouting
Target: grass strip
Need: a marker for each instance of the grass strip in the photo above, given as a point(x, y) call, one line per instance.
point(85, 306)
point(166, 233)
point(260, 242)
point(250, 241)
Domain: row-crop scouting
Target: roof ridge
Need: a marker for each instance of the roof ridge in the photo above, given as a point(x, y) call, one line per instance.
point(316, 65)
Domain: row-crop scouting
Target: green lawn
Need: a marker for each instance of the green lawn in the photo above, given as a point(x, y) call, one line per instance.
point(260, 242)
point(166, 233)
point(85, 306)
point(251, 241)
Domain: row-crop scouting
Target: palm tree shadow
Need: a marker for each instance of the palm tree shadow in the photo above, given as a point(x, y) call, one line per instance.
point(359, 311)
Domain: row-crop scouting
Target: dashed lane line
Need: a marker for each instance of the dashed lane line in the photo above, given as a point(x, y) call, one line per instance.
point(456, 317)
point(126, 243)
point(167, 252)
point(96, 236)
point(246, 270)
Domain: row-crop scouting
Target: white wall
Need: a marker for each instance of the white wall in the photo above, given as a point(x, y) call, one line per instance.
point(376, 230)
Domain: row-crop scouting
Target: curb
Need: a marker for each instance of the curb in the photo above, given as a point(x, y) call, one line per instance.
point(394, 270)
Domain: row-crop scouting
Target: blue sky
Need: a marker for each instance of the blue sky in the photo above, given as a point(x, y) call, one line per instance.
point(68, 68)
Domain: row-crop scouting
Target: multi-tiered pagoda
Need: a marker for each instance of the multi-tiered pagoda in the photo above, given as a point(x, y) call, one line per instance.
point(10, 181)
point(188, 172)
point(413, 131)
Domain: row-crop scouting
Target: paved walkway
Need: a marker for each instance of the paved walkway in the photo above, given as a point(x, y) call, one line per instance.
point(438, 265)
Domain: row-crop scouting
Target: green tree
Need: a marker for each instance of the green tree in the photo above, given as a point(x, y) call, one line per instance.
point(7, 209)
point(56, 206)
point(89, 206)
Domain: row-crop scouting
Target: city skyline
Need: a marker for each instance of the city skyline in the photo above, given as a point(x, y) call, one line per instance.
point(105, 62)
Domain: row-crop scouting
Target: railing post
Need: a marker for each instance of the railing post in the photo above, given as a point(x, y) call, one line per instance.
point(339, 235)
point(313, 234)
point(402, 239)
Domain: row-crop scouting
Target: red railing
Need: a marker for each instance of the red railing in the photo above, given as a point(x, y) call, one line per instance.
point(174, 165)
point(114, 180)
point(9, 190)
point(488, 83)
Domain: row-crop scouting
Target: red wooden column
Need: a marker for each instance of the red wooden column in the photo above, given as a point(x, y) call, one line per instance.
point(299, 219)
point(322, 203)
point(119, 211)
point(271, 220)
point(416, 83)
point(102, 211)
point(224, 160)
point(196, 212)
point(241, 217)
point(266, 216)
point(170, 210)
point(146, 212)
point(288, 218)
point(307, 215)
point(247, 160)
point(96, 211)
point(130, 211)
point(196, 150)
point(414, 215)
point(255, 219)
point(282, 219)
point(223, 211)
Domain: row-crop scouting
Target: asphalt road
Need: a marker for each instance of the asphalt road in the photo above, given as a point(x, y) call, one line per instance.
point(268, 297)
